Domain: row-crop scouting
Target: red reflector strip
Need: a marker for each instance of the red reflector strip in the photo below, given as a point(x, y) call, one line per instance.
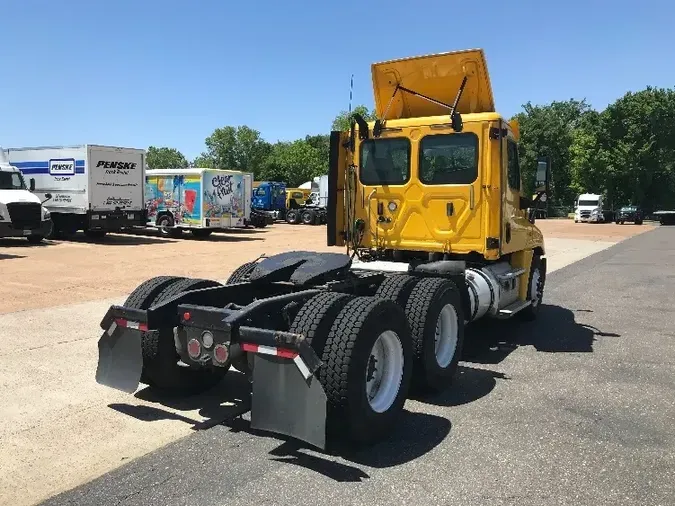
point(269, 350)
point(131, 325)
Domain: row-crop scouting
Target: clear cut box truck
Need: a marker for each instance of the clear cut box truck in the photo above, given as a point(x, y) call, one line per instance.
point(97, 189)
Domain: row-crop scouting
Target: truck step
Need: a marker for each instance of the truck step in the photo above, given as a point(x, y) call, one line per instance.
point(507, 276)
point(512, 309)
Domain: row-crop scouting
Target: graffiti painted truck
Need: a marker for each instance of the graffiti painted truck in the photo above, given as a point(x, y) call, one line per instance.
point(199, 200)
point(97, 189)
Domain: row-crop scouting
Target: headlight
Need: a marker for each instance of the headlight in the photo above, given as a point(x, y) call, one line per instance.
point(45, 214)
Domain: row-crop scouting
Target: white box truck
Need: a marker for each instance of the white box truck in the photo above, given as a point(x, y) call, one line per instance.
point(200, 200)
point(97, 189)
point(22, 214)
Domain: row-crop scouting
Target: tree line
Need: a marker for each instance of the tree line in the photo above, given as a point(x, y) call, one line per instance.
point(625, 152)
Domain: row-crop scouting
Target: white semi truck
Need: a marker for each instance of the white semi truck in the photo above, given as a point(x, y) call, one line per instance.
point(97, 189)
point(22, 214)
point(588, 208)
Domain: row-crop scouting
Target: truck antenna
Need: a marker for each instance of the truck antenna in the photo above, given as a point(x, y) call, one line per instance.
point(351, 93)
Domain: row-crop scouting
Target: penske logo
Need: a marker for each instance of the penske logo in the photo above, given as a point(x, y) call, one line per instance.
point(116, 165)
point(62, 167)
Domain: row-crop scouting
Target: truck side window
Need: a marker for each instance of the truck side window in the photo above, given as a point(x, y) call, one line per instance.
point(513, 165)
point(449, 159)
point(385, 161)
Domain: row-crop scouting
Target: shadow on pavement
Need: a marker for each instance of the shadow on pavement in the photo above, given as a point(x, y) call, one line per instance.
point(220, 403)
point(554, 331)
point(468, 385)
point(120, 239)
point(4, 256)
point(20, 242)
point(415, 435)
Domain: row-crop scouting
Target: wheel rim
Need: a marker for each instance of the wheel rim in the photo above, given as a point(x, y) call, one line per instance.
point(446, 335)
point(536, 289)
point(384, 371)
point(163, 225)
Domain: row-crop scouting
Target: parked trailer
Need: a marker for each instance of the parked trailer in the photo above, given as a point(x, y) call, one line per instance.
point(665, 217)
point(333, 346)
point(97, 189)
point(200, 200)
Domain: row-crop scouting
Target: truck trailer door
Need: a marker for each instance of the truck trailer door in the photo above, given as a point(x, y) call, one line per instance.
point(116, 178)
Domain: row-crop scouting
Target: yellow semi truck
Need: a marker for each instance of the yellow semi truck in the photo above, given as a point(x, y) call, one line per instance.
point(427, 201)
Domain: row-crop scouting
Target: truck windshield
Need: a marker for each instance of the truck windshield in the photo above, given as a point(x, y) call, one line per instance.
point(11, 181)
point(588, 203)
point(449, 159)
point(385, 161)
point(260, 192)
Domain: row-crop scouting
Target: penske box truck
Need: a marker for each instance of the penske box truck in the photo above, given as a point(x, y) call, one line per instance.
point(97, 189)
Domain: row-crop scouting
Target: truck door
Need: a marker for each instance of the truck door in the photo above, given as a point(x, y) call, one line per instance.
point(515, 227)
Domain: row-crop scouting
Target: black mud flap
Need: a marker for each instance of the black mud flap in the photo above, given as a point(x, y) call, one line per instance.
point(284, 402)
point(120, 359)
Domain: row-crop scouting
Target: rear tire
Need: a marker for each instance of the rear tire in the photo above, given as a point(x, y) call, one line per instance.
point(307, 217)
point(293, 216)
point(35, 239)
point(356, 411)
point(201, 233)
point(241, 273)
point(397, 288)
point(161, 369)
point(316, 317)
point(434, 311)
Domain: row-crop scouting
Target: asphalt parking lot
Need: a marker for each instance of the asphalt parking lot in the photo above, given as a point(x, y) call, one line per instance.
point(576, 408)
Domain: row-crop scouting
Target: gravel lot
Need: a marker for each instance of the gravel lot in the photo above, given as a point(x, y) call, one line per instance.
point(60, 428)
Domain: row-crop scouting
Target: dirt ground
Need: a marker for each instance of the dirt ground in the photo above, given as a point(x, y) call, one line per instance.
point(60, 273)
point(60, 428)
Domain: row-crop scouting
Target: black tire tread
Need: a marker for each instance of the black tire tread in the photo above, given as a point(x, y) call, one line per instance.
point(418, 304)
point(240, 273)
point(337, 351)
point(397, 288)
point(159, 367)
point(317, 315)
point(145, 293)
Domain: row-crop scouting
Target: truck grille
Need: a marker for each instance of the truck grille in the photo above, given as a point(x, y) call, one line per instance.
point(25, 215)
point(585, 214)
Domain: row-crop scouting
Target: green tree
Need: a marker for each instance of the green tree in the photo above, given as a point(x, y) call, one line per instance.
point(165, 158)
point(628, 153)
point(294, 163)
point(321, 143)
point(341, 121)
point(235, 148)
point(549, 130)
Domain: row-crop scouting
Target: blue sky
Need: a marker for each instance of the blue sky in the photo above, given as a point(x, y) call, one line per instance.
point(168, 73)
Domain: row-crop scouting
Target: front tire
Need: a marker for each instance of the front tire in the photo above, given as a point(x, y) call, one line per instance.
point(35, 239)
point(535, 288)
point(368, 367)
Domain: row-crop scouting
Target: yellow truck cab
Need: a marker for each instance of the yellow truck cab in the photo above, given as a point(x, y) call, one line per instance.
point(296, 197)
point(427, 201)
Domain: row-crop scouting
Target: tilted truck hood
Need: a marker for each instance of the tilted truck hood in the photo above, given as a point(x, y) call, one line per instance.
point(8, 196)
point(437, 76)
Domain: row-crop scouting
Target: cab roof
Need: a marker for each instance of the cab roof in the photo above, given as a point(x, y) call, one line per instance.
point(437, 76)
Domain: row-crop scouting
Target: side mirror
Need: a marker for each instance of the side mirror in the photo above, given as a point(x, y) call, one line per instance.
point(456, 122)
point(48, 196)
point(32, 184)
point(542, 180)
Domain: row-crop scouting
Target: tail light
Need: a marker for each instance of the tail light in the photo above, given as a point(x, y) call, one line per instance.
point(194, 348)
point(220, 353)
